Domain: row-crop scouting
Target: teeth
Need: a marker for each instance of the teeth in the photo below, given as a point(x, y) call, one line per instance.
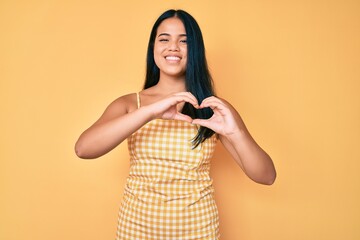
point(172, 58)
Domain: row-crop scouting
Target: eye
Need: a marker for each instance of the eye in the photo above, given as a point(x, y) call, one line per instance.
point(183, 41)
point(163, 40)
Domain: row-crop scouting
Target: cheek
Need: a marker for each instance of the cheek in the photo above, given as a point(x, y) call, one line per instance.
point(156, 59)
point(158, 51)
point(185, 54)
point(184, 51)
point(157, 54)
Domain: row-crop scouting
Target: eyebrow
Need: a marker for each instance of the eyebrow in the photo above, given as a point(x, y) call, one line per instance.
point(167, 34)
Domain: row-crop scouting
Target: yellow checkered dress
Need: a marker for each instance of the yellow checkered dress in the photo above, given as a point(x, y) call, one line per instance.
point(168, 193)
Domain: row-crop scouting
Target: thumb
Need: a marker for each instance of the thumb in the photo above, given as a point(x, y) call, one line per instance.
point(183, 117)
point(201, 122)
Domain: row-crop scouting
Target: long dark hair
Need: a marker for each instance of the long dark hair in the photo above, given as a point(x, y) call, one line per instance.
point(198, 80)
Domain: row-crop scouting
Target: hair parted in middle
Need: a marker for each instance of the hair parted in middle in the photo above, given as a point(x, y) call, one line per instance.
point(198, 79)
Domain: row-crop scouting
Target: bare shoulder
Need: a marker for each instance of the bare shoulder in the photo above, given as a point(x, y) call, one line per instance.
point(126, 103)
point(120, 106)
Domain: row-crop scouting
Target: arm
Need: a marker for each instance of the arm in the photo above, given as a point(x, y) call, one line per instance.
point(226, 121)
point(109, 130)
point(117, 123)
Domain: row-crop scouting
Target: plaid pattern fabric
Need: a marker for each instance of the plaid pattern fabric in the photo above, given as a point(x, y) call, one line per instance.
point(168, 193)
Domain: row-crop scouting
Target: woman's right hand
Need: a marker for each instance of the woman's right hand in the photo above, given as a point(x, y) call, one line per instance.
point(167, 108)
point(117, 123)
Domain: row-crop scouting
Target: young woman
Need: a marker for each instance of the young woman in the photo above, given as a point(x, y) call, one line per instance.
point(172, 127)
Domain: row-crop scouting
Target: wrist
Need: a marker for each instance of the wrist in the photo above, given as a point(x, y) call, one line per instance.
point(150, 114)
point(236, 135)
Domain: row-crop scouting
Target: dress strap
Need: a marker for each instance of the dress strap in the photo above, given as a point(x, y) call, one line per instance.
point(138, 100)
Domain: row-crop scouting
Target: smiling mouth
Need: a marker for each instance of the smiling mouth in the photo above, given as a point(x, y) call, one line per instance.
point(173, 58)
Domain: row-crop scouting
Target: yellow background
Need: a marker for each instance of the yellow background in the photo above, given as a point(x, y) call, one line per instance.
point(291, 68)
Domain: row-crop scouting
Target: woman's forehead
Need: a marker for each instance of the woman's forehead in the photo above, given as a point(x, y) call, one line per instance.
point(171, 26)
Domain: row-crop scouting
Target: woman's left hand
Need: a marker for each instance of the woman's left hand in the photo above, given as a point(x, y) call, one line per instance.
point(224, 121)
point(227, 122)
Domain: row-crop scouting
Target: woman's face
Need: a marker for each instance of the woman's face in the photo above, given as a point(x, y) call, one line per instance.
point(170, 48)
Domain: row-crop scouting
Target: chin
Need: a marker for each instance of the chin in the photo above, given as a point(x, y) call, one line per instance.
point(175, 74)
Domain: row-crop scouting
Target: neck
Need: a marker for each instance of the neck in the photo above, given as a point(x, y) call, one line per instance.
point(171, 84)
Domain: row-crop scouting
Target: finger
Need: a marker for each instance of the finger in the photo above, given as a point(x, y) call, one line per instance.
point(203, 123)
point(212, 98)
point(213, 104)
point(185, 98)
point(183, 117)
point(191, 96)
point(211, 101)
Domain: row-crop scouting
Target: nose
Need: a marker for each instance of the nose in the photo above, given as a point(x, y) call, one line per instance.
point(174, 46)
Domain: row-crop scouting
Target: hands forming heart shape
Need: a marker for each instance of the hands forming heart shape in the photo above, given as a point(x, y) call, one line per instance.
point(223, 121)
